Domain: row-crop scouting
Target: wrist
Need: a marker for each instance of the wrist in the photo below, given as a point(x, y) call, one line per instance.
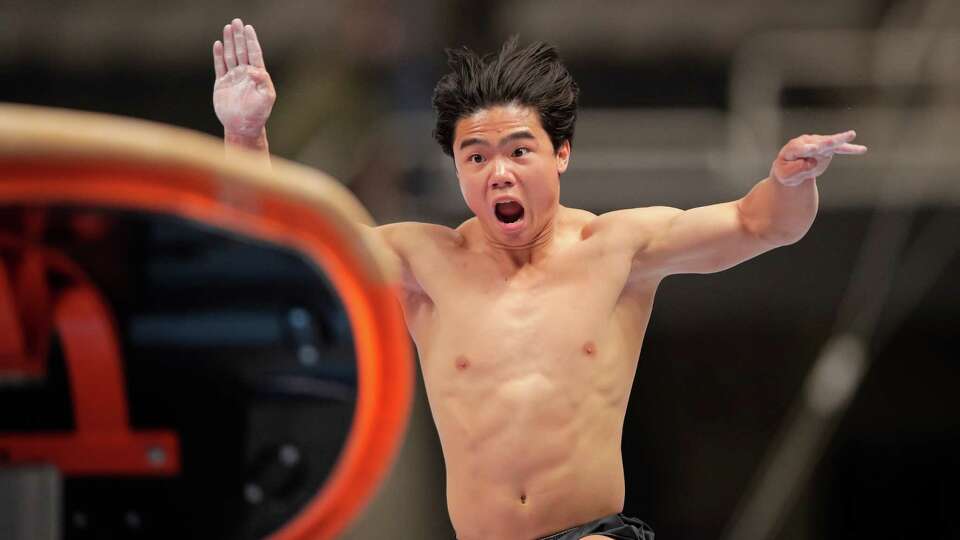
point(790, 182)
point(253, 141)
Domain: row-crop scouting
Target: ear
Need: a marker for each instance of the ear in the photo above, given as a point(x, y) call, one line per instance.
point(563, 156)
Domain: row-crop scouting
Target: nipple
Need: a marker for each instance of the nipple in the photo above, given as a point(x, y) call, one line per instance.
point(589, 348)
point(462, 362)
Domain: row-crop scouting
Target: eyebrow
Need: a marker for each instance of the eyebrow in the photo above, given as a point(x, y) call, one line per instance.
point(524, 134)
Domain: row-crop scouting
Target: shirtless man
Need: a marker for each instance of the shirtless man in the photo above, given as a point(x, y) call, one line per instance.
point(529, 317)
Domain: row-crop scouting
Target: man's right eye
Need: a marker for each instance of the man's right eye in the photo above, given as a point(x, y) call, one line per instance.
point(476, 158)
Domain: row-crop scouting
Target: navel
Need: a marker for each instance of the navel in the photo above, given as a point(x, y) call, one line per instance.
point(462, 362)
point(523, 499)
point(589, 348)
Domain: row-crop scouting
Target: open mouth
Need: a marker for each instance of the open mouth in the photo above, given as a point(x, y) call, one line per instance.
point(508, 211)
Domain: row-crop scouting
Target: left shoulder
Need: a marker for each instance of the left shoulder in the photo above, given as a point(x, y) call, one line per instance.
point(574, 220)
point(631, 222)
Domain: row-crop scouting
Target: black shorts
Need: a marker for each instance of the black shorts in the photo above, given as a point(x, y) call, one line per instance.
point(617, 526)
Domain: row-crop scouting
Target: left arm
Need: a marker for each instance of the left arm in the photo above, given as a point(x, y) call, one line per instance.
point(777, 211)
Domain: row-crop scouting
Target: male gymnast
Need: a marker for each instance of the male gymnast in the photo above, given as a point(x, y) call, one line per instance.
point(529, 317)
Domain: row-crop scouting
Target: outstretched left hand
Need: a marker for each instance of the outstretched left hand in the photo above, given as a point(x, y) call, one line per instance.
point(808, 156)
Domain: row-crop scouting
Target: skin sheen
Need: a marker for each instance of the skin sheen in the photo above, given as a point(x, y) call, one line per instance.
point(529, 333)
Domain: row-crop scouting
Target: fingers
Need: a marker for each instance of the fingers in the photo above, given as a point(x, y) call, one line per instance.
point(829, 143)
point(253, 47)
point(851, 149)
point(796, 149)
point(822, 145)
point(218, 65)
point(229, 50)
point(240, 47)
point(844, 137)
point(239, 41)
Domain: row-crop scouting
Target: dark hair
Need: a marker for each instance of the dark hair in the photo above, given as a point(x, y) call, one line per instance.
point(533, 76)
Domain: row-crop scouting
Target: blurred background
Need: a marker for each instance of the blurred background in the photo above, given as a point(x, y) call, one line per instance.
point(810, 393)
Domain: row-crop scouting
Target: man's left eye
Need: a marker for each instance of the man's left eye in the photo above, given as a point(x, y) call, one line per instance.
point(522, 151)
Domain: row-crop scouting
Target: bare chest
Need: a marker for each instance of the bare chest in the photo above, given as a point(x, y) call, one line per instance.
point(513, 330)
point(518, 373)
point(549, 310)
point(538, 332)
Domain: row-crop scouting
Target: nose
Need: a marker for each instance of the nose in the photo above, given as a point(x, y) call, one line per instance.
point(501, 177)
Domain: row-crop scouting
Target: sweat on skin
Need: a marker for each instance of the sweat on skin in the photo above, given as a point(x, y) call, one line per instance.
point(529, 317)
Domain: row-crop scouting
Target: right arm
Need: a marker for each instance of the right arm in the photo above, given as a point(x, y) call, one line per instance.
point(243, 97)
point(394, 239)
point(243, 94)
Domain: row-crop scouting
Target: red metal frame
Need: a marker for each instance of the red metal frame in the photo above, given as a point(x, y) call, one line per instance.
point(25, 305)
point(12, 348)
point(102, 443)
point(385, 367)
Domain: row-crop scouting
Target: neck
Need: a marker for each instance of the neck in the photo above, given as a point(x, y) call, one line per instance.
point(519, 255)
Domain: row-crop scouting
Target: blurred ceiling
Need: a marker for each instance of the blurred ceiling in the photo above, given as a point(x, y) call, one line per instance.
point(87, 34)
point(684, 102)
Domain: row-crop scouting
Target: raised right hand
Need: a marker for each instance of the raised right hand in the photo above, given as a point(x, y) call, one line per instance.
point(243, 94)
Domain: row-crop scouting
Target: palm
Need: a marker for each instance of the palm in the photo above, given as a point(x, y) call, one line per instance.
point(243, 99)
point(243, 93)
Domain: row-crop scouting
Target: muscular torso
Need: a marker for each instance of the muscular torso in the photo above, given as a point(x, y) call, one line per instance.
point(528, 370)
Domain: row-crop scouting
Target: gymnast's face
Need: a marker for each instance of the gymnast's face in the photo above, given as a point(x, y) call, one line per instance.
point(509, 172)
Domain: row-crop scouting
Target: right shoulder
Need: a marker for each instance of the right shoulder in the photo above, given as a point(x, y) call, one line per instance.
point(412, 246)
point(405, 236)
